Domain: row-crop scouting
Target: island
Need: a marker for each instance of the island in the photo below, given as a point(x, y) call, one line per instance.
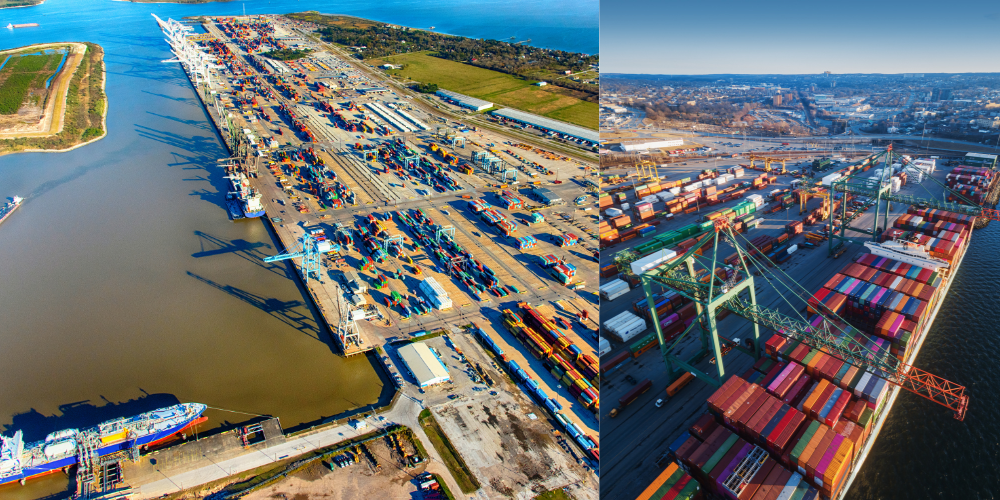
point(52, 97)
point(6, 4)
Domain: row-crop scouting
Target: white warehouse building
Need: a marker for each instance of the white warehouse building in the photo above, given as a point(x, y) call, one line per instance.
point(423, 364)
point(464, 100)
point(629, 146)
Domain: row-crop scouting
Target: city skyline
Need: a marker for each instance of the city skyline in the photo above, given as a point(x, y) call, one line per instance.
point(781, 37)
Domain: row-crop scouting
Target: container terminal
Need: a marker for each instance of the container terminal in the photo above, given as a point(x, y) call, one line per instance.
point(405, 225)
point(773, 316)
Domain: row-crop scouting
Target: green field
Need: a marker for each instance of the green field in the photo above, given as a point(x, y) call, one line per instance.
point(23, 74)
point(493, 86)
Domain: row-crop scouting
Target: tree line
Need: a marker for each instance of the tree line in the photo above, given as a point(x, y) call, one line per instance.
point(381, 40)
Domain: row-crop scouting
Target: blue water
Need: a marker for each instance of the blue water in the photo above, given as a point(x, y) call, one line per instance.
point(556, 24)
point(58, 68)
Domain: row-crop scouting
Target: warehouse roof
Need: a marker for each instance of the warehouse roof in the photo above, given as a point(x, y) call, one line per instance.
point(423, 364)
point(472, 102)
point(549, 124)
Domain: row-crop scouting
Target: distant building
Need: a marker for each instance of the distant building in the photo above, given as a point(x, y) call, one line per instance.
point(464, 100)
point(546, 196)
point(647, 144)
point(390, 66)
point(776, 100)
point(940, 95)
point(553, 127)
point(423, 364)
point(542, 84)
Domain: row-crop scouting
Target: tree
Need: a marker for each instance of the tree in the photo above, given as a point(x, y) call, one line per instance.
point(426, 88)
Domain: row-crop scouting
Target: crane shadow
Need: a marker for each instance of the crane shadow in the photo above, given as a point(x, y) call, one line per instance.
point(246, 250)
point(288, 312)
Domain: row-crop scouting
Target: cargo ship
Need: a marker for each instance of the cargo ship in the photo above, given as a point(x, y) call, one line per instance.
point(801, 423)
point(245, 196)
point(60, 450)
point(11, 26)
point(9, 208)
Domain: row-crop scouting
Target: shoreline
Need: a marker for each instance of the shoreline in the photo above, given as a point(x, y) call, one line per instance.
point(22, 6)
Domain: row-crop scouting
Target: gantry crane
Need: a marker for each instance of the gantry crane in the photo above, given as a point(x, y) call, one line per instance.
point(881, 189)
point(646, 170)
point(767, 163)
point(309, 249)
point(712, 293)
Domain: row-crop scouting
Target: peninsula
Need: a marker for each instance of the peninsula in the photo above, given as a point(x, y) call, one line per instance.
point(51, 96)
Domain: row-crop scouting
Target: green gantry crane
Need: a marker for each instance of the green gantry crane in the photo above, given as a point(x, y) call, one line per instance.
point(712, 294)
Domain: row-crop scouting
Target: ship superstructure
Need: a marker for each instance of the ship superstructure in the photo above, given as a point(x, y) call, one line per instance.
point(247, 196)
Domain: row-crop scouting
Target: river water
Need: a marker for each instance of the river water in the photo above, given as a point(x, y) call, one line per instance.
point(124, 287)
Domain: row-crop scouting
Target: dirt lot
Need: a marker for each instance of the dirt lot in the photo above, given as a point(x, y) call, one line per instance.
point(386, 480)
point(511, 455)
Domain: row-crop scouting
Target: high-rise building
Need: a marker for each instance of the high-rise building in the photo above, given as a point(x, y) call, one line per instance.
point(777, 100)
point(940, 95)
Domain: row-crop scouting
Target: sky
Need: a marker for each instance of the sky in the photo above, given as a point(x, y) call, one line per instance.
point(795, 37)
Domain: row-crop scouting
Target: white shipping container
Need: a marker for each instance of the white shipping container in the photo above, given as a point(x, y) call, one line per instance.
point(613, 212)
point(651, 199)
point(674, 191)
point(603, 346)
point(614, 289)
point(620, 320)
point(652, 260)
point(632, 331)
point(665, 196)
point(828, 180)
point(793, 248)
point(625, 206)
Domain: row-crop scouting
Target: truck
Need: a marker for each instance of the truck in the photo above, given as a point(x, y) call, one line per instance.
point(631, 396)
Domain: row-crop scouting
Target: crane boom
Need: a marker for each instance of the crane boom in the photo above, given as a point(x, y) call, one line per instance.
point(831, 335)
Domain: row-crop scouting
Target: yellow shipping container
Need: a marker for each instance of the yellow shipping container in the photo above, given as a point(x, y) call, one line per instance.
point(111, 438)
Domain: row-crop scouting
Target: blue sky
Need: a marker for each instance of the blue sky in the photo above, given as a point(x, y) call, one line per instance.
point(723, 36)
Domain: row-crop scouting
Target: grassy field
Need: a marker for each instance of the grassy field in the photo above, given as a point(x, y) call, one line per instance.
point(493, 86)
point(554, 495)
point(466, 481)
point(24, 74)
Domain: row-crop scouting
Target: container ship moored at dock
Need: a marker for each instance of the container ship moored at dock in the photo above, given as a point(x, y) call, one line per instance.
point(20, 461)
point(243, 201)
point(801, 422)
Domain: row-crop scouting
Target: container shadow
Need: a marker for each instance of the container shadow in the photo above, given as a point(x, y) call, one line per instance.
point(249, 251)
point(82, 414)
point(287, 312)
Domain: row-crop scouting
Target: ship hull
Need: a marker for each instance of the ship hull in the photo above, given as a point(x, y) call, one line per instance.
point(895, 390)
point(253, 215)
point(8, 214)
point(60, 464)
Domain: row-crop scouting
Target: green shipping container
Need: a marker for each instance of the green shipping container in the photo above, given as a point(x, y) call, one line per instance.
point(714, 459)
